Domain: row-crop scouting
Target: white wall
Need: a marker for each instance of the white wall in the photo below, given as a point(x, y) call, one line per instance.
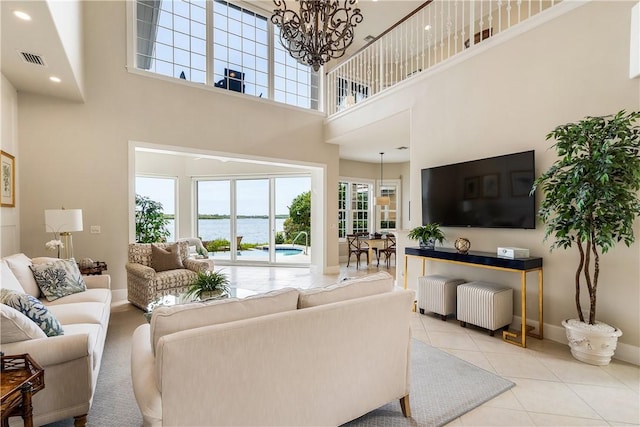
point(10, 217)
point(506, 100)
point(79, 153)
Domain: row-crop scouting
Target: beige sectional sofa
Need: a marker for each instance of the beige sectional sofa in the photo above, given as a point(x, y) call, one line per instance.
point(285, 358)
point(71, 361)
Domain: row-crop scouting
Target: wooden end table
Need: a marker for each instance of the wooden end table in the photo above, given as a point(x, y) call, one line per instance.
point(20, 378)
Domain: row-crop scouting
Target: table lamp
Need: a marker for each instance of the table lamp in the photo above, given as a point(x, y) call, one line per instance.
point(64, 221)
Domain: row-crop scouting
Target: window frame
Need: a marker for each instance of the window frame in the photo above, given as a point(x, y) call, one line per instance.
point(348, 205)
point(131, 66)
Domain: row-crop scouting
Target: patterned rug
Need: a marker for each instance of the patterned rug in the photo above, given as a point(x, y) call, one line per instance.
point(443, 387)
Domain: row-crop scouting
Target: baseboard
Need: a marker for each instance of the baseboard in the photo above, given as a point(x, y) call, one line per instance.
point(118, 295)
point(624, 352)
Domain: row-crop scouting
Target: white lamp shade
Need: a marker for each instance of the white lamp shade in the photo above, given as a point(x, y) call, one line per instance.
point(383, 201)
point(63, 220)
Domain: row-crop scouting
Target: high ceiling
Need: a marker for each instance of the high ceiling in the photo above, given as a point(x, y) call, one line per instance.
point(40, 37)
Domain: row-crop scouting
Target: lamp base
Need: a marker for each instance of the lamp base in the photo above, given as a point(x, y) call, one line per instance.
point(67, 241)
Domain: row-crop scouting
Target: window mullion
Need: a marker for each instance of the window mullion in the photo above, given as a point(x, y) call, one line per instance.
point(209, 48)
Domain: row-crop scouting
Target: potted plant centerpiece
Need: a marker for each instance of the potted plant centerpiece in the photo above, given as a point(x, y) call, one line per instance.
point(590, 202)
point(209, 284)
point(427, 235)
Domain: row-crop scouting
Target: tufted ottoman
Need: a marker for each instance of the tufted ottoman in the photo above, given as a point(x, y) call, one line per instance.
point(483, 304)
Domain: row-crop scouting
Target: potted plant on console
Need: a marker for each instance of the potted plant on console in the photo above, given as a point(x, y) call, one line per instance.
point(209, 284)
point(591, 201)
point(427, 235)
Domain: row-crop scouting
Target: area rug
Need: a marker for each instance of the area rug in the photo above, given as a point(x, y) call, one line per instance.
point(443, 387)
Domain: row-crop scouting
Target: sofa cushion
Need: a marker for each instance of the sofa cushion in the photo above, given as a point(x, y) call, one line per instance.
point(90, 295)
point(19, 265)
point(167, 258)
point(15, 326)
point(349, 289)
point(81, 312)
point(33, 308)
point(58, 278)
point(167, 320)
point(9, 280)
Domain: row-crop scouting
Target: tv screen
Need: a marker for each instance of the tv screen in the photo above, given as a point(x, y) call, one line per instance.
point(491, 192)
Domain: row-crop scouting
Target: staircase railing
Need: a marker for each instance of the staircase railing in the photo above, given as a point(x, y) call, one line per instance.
point(431, 34)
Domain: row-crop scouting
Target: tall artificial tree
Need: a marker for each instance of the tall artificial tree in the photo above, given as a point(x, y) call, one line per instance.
point(591, 197)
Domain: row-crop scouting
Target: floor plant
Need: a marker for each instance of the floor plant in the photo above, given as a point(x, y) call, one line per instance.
point(590, 202)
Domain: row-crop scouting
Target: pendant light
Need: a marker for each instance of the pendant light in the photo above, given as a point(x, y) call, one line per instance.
point(382, 200)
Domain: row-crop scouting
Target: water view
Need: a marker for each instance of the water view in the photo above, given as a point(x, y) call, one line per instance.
point(252, 230)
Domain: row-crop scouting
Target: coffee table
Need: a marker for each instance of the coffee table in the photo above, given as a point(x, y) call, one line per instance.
point(183, 298)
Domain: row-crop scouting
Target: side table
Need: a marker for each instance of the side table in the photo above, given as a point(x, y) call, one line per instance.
point(20, 378)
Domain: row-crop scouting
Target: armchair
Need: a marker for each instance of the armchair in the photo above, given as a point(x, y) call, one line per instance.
point(144, 284)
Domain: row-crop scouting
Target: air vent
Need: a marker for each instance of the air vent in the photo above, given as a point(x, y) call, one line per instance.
point(32, 58)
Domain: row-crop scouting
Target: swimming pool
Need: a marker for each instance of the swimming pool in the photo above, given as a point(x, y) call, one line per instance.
point(262, 252)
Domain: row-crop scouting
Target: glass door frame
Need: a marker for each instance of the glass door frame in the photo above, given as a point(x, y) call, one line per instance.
point(233, 226)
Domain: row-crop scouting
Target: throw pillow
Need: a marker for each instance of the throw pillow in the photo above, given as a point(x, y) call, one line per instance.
point(16, 326)
point(58, 278)
point(9, 280)
point(167, 258)
point(33, 308)
point(19, 265)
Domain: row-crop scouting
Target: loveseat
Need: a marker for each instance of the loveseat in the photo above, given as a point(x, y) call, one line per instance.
point(146, 283)
point(285, 358)
point(71, 361)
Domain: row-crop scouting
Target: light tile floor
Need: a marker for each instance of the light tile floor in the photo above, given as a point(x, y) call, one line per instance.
point(552, 388)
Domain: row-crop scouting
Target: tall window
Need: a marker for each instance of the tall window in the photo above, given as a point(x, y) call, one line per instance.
point(173, 39)
point(354, 207)
point(390, 214)
point(162, 190)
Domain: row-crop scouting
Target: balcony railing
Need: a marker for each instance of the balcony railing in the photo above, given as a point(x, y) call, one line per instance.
point(436, 31)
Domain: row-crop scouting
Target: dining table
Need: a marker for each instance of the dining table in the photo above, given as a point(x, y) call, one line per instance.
point(377, 242)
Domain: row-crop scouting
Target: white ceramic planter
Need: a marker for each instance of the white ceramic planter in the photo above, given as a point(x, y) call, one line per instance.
point(593, 344)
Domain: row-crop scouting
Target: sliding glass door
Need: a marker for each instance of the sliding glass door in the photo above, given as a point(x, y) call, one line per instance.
point(257, 220)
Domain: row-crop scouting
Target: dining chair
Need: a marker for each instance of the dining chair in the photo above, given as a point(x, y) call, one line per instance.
point(355, 247)
point(388, 250)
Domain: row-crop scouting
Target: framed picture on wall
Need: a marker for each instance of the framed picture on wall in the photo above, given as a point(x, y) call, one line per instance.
point(8, 180)
point(490, 186)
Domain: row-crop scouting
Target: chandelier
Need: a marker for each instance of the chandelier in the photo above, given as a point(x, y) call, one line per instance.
point(318, 31)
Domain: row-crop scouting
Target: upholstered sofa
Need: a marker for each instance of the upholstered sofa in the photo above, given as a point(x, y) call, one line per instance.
point(289, 357)
point(71, 361)
point(145, 284)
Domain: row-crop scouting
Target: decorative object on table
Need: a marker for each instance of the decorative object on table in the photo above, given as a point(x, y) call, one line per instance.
point(21, 377)
point(63, 221)
point(94, 268)
point(591, 200)
point(462, 245)
point(209, 284)
point(318, 31)
point(54, 245)
point(512, 253)
point(427, 235)
point(85, 263)
point(8, 181)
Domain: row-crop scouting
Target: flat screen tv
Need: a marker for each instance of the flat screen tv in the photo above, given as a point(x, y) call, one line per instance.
point(491, 192)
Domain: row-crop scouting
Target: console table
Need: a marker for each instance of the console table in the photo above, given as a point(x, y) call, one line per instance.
point(494, 262)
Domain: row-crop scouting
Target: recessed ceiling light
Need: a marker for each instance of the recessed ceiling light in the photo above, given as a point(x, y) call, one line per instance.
point(55, 79)
point(427, 27)
point(22, 15)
